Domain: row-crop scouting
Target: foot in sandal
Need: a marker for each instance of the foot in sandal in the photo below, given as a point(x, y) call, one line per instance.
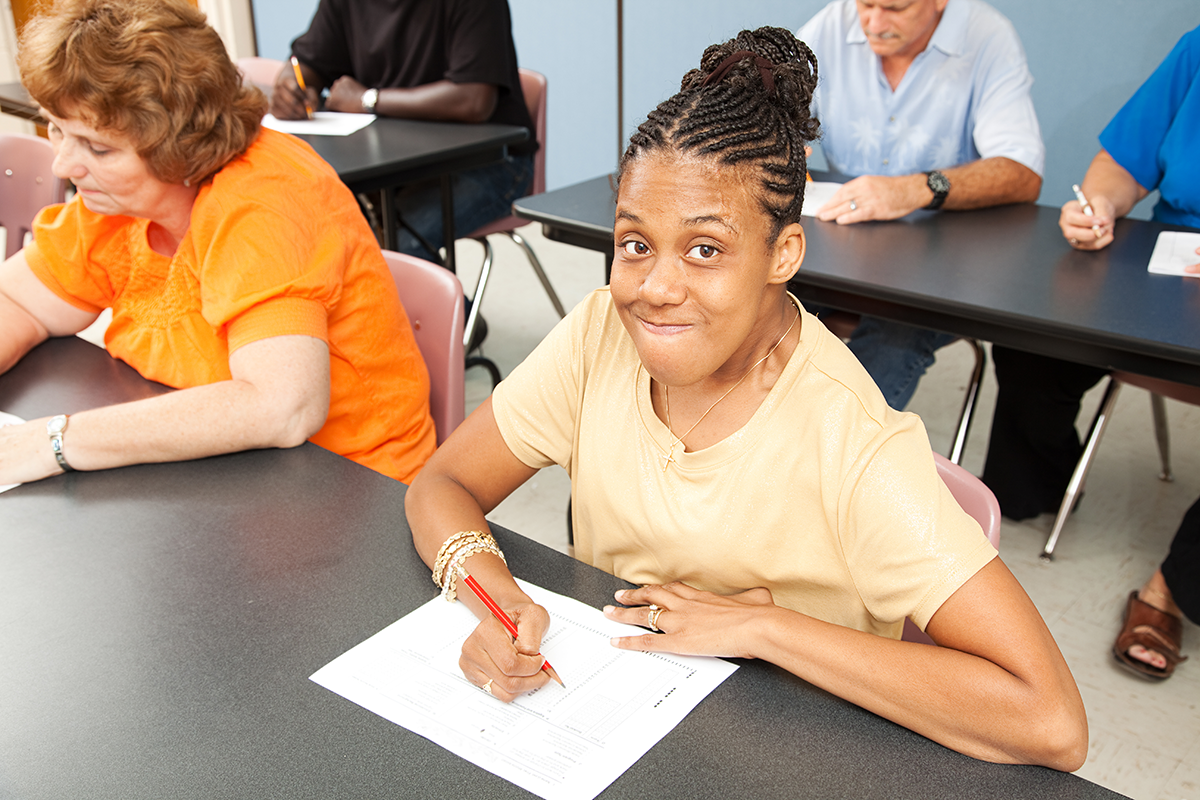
point(1149, 642)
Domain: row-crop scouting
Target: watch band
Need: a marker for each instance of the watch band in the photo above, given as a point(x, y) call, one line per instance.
point(939, 184)
point(369, 98)
point(55, 428)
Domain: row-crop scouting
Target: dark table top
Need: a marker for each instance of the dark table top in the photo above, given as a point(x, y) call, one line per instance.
point(1002, 275)
point(159, 624)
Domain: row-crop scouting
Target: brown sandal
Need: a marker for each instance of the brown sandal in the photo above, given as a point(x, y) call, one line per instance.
point(1154, 630)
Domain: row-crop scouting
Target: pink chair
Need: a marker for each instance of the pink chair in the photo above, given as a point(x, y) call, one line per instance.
point(27, 185)
point(432, 297)
point(978, 501)
point(533, 85)
point(260, 71)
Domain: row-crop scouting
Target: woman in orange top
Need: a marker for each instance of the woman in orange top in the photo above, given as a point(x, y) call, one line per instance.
point(237, 265)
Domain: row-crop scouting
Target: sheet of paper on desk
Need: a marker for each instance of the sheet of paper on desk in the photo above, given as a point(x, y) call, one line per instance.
point(559, 743)
point(324, 123)
point(12, 419)
point(1173, 251)
point(817, 194)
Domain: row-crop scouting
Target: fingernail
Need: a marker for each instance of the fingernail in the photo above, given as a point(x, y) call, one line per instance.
point(608, 610)
point(620, 594)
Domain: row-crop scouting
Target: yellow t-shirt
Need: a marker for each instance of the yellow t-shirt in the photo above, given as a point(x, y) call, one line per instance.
point(276, 246)
point(827, 497)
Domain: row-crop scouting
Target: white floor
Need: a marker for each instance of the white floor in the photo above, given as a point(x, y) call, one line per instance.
point(1145, 738)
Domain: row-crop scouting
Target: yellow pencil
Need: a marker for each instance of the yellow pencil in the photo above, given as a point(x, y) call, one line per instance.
point(300, 81)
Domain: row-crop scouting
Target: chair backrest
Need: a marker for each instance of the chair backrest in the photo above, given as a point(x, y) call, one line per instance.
point(27, 185)
point(978, 501)
point(533, 86)
point(260, 71)
point(433, 298)
point(973, 495)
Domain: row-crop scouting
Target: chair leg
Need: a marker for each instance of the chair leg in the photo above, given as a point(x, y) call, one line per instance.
point(541, 273)
point(1078, 477)
point(477, 298)
point(1162, 435)
point(968, 409)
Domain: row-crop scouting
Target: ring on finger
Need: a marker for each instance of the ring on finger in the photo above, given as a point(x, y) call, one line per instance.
point(853, 206)
point(487, 687)
point(653, 619)
point(1074, 242)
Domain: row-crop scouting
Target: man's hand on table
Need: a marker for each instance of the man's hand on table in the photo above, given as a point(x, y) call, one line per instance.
point(876, 197)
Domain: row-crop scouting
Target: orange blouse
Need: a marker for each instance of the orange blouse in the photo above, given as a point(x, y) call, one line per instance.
point(276, 246)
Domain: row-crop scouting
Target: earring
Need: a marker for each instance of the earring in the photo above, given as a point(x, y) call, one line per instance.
point(187, 181)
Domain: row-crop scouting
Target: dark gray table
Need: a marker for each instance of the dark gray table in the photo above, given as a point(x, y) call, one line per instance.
point(1003, 275)
point(382, 156)
point(158, 625)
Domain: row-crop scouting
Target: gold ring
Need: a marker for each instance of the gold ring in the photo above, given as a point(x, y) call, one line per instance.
point(487, 687)
point(653, 620)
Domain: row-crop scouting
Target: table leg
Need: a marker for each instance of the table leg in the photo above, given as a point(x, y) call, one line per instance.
point(387, 211)
point(448, 220)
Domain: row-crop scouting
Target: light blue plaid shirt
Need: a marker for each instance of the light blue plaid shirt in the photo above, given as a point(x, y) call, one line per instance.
point(964, 98)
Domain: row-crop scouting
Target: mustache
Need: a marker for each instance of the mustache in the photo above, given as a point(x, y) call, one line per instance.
point(885, 35)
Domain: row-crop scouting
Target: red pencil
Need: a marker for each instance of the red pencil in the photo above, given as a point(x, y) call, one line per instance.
point(499, 614)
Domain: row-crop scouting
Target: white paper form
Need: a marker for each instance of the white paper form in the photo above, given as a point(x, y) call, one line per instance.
point(324, 123)
point(559, 743)
point(817, 194)
point(12, 419)
point(1173, 251)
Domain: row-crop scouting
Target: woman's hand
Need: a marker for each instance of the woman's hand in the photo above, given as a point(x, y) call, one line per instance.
point(25, 454)
point(490, 658)
point(691, 621)
point(1088, 232)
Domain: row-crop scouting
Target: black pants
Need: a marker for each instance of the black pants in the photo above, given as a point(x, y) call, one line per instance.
point(1034, 447)
point(1182, 567)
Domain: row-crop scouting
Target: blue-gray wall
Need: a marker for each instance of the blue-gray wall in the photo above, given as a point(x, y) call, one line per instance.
point(1087, 58)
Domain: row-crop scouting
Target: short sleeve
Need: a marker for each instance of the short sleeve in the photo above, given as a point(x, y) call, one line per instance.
point(262, 274)
point(1135, 135)
point(907, 543)
point(1006, 124)
point(70, 250)
point(476, 49)
point(537, 406)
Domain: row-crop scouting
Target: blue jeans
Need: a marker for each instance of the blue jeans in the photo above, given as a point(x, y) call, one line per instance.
point(480, 196)
point(896, 355)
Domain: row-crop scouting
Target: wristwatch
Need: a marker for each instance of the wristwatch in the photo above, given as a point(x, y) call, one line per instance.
point(55, 428)
point(939, 184)
point(369, 98)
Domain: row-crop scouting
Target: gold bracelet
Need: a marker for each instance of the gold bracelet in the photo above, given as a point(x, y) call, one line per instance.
point(450, 582)
point(449, 547)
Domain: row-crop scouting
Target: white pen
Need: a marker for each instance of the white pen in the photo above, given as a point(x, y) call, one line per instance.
point(1086, 206)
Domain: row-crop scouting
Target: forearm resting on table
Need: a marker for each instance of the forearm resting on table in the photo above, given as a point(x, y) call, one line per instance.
point(19, 332)
point(278, 397)
point(443, 101)
point(1018, 704)
point(990, 182)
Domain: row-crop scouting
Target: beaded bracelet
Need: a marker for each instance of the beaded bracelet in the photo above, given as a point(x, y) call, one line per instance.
point(450, 581)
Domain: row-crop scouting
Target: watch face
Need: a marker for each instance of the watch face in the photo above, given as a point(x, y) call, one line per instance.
point(938, 182)
point(57, 424)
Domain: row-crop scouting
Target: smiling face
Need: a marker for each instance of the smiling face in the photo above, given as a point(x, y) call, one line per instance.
point(899, 27)
point(697, 276)
point(107, 171)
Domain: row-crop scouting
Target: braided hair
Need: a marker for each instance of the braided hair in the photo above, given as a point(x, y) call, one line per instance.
point(748, 103)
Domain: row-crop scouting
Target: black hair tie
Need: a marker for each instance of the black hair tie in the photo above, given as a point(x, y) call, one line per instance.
point(723, 69)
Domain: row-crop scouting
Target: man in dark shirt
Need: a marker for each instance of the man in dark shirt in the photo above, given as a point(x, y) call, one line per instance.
point(448, 60)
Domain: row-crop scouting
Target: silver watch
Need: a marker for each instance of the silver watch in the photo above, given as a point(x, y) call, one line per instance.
point(369, 98)
point(55, 428)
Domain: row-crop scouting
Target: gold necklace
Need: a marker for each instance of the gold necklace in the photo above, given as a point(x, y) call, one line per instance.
point(669, 458)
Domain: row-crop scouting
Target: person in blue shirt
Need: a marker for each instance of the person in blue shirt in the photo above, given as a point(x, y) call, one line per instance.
point(1150, 144)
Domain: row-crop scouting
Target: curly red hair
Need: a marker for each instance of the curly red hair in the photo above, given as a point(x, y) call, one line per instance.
point(153, 71)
